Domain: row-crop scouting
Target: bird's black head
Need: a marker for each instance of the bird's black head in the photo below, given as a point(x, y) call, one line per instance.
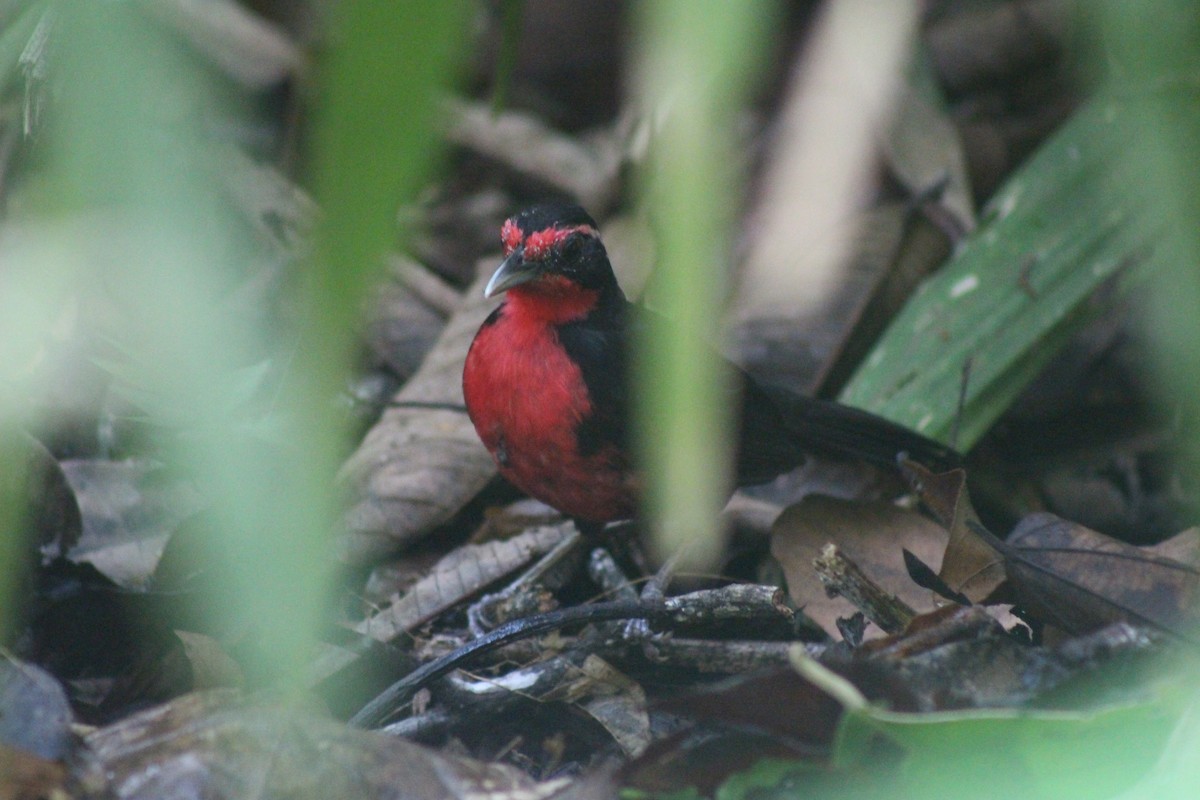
point(551, 215)
point(552, 249)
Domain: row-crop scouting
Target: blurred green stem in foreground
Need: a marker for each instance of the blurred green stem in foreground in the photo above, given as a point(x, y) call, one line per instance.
point(133, 216)
point(695, 62)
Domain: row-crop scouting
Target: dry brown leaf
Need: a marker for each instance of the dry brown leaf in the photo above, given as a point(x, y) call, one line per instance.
point(1080, 580)
point(616, 701)
point(873, 535)
point(212, 667)
point(923, 150)
point(461, 574)
point(971, 565)
point(1183, 546)
point(418, 466)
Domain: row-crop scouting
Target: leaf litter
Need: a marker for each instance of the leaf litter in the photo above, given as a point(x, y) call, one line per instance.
point(939, 700)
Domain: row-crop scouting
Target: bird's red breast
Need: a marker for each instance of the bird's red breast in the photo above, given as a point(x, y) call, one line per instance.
point(527, 399)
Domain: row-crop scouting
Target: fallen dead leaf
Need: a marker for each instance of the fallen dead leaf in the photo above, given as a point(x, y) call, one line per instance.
point(459, 575)
point(971, 566)
point(1079, 580)
point(418, 466)
point(616, 701)
point(873, 535)
point(129, 510)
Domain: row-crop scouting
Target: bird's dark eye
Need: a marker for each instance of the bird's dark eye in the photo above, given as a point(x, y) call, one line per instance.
point(572, 246)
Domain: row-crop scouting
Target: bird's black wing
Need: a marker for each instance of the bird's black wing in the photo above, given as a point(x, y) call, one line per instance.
point(776, 428)
point(599, 346)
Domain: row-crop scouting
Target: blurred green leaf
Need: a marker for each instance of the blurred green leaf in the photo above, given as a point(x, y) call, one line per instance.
point(373, 133)
point(974, 753)
point(129, 209)
point(1024, 753)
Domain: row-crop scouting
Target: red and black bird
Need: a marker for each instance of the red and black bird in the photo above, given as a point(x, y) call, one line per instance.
point(547, 383)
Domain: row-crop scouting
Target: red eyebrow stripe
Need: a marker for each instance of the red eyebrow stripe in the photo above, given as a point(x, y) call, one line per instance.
point(538, 244)
point(510, 236)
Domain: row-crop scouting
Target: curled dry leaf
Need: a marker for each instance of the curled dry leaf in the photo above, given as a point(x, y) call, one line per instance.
point(614, 700)
point(971, 565)
point(873, 535)
point(418, 466)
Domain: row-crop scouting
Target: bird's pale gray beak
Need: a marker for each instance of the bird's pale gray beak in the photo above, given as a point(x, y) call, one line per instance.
point(513, 271)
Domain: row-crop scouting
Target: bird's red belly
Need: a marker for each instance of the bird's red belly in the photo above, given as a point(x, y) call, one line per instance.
point(526, 398)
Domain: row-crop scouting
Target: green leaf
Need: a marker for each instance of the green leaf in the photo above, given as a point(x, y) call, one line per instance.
point(1062, 232)
point(1024, 753)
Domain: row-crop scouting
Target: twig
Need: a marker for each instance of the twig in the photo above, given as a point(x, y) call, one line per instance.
point(425, 284)
point(400, 692)
point(727, 603)
point(843, 578)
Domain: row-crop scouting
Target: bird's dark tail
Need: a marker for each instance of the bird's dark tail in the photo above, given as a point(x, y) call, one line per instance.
point(827, 428)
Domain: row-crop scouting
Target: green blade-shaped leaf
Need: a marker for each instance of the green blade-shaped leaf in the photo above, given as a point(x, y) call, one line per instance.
point(1051, 244)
